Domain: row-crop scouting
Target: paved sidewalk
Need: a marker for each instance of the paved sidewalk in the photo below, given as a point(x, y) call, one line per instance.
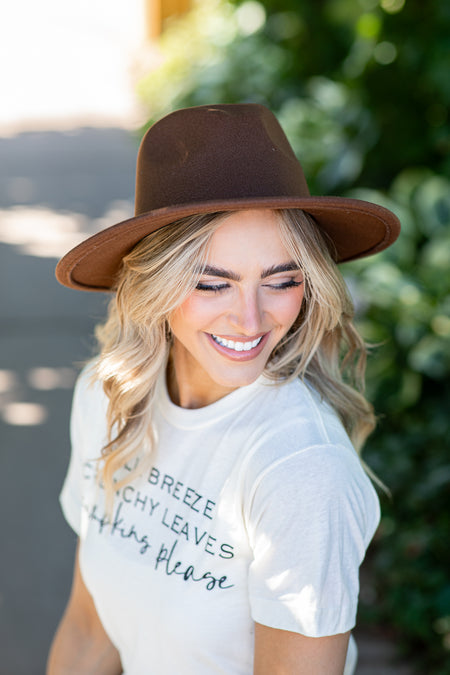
point(54, 188)
point(67, 168)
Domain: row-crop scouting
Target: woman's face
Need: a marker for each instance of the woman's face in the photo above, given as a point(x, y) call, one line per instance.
point(245, 302)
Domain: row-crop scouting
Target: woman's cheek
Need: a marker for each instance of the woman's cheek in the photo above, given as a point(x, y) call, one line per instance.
point(201, 310)
point(287, 308)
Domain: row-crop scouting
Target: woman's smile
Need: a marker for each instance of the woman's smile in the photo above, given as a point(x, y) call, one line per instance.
point(239, 349)
point(247, 297)
point(236, 345)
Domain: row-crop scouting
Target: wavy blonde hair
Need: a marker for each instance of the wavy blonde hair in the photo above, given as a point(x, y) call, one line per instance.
point(322, 346)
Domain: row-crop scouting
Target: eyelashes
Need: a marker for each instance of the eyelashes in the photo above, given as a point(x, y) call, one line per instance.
point(216, 288)
point(286, 284)
point(211, 287)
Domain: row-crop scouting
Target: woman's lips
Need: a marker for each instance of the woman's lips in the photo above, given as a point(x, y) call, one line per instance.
point(238, 350)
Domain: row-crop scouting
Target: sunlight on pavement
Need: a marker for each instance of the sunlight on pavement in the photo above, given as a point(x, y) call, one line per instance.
point(16, 412)
point(45, 379)
point(40, 231)
point(24, 414)
point(46, 233)
point(8, 380)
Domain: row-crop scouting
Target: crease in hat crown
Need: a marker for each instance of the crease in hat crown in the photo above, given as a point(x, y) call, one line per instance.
point(214, 158)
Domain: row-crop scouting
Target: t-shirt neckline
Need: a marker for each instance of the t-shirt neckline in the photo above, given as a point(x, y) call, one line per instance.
point(194, 417)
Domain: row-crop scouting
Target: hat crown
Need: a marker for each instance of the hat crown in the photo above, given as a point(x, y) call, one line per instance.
point(215, 158)
point(216, 153)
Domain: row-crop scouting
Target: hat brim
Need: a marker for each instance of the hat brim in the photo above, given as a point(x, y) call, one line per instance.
point(357, 229)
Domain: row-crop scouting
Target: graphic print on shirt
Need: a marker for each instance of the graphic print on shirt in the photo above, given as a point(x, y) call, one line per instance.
point(180, 517)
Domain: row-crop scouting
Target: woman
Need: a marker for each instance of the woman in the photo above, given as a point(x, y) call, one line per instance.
point(215, 484)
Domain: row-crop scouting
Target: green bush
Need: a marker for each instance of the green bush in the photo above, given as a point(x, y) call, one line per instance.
point(407, 291)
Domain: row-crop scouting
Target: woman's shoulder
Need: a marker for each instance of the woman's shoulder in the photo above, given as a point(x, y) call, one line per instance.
point(88, 419)
point(294, 412)
point(299, 433)
point(89, 397)
point(304, 457)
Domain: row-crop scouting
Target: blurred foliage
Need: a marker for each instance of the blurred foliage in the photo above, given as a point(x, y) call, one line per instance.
point(405, 311)
point(362, 90)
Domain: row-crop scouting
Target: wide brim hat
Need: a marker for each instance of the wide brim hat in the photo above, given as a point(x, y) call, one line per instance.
point(218, 158)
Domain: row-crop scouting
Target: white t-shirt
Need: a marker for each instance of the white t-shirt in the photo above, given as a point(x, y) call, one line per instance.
point(256, 509)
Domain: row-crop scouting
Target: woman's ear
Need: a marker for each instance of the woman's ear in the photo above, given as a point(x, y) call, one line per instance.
point(168, 332)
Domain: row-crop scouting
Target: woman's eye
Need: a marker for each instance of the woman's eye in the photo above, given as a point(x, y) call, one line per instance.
point(286, 284)
point(210, 287)
point(216, 288)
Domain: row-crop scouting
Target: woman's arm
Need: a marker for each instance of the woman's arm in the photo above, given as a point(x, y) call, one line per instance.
point(81, 646)
point(281, 652)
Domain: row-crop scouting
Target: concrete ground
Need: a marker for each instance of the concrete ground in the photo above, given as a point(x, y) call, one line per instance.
point(71, 180)
point(67, 169)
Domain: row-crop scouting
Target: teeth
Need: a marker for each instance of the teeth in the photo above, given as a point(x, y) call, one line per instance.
point(237, 346)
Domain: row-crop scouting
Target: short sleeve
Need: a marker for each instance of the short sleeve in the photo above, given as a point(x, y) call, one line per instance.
point(86, 420)
point(310, 519)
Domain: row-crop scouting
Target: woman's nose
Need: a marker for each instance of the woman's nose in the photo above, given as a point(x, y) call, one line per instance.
point(246, 313)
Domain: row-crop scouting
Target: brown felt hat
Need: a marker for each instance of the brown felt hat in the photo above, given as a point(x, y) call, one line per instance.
point(215, 158)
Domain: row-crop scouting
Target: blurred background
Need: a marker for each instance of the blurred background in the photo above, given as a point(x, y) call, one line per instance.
point(362, 89)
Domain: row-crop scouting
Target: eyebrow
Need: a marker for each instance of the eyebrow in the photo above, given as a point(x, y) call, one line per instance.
point(210, 270)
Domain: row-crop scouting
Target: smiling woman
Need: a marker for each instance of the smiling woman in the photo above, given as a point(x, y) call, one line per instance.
point(215, 482)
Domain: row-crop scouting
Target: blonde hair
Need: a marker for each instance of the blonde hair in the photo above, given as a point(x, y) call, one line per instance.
point(322, 346)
